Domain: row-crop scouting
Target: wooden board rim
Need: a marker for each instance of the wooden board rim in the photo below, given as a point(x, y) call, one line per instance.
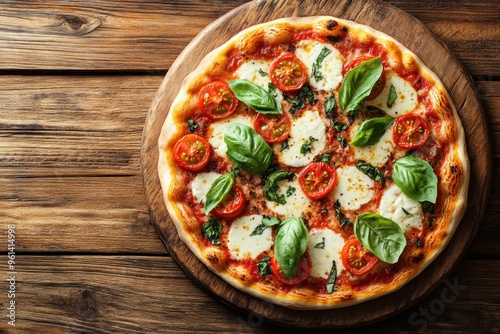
point(460, 87)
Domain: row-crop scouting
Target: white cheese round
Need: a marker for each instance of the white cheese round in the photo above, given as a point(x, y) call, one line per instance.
point(242, 244)
point(295, 204)
point(322, 258)
point(354, 188)
point(393, 205)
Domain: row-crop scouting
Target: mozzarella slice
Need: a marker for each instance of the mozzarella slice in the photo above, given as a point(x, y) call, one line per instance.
point(295, 204)
point(377, 154)
point(393, 206)
point(322, 258)
point(331, 66)
point(406, 100)
point(201, 185)
point(310, 124)
point(242, 244)
point(257, 71)
point(354, 188)
point(216, 132)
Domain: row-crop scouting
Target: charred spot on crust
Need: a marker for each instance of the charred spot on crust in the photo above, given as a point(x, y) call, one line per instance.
point(330, 25)
point(454, 169)
point(418, 258)
point(333, 39)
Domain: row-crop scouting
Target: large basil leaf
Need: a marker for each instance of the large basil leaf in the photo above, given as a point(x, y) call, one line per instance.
point(246, 149)
point(218, 190)
point(271, 185)
point(381, 236)
point(255, 97)
point(416, 179)
point(358, 84)
point(290, 243)
point(370, 132)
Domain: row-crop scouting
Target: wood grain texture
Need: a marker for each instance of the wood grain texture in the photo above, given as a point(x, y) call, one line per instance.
point(141, 294)
point(433, 53)
point(113, 35)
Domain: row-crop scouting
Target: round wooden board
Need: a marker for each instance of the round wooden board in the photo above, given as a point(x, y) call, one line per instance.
point(415, 36)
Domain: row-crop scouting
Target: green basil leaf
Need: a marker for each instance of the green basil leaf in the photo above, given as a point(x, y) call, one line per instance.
point(392, 96)
point(266, 222)
point(211, 230)
point(262, 73)
point(307, 146)
point(373, 172)
point(263, 266)
point(330, 283)
point(272, 89)
point(343, 220)
point(255, 97)
point(416, 179)
point(381, 236)
point(284, 146)
point(218, 190)
point(316, 73)
point(290, 243)
point(299, 101)
point(290, 191)
point(246, 149)
point(358, 84)
point(330, 105)
point(192, 125)
point(326, 157)
point(370, 132)
point(342, 141)
point(271, 185)
point(320, 245)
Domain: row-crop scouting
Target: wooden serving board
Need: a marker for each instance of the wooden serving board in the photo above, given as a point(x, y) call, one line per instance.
point(415, 36)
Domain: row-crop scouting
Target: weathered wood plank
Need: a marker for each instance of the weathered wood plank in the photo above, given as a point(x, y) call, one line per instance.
point(149, 35)
point(79, 214)
point(104, 294)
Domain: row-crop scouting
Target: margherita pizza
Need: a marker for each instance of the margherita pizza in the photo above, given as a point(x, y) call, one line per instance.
point(314, 163)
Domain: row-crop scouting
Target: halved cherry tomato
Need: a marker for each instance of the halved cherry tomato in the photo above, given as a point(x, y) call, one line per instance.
point(274, 128)
point(192, 152)
point(288, 73)
point(379, 85)
point(232, 205)
point(216, 100)
point(356, 258)
point(410, 131)
point(317, 180)
point(301, 273)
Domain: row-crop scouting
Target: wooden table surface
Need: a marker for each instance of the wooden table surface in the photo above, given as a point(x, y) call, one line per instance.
point(76, 82)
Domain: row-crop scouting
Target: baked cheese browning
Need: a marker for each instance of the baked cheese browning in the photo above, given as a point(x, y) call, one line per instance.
point(402, 131)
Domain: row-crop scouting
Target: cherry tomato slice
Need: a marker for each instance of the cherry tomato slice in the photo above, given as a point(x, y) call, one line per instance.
point(273, 128)
point(192, 152)
point(288, 73)
point(357, 259)
point(301, 273)
point(410, 131)
point(216, 100)
point(317, 180)
point(232, 205)
point(379, 85)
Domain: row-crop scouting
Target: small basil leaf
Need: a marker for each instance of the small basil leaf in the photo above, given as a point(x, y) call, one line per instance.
point(392, 96)
point(307, 146)
point(192, 125)
point(211, 230)
point(316, 73)
point(358, 84)
point(330, 106)
point(373, 172)
point(416, 179)
point(290, 243)
point(262, 73)
point(266, 222)
point(370, 132)
point(218, 190)
point(330, 284)
point(320, 245)
point(271, 185)
point(343, 220)
point(381, 236)
point(284, 146)
point(255, 97)
point(263, 266)
point(246, 149)
point(342, 141)
point(299, 102)
point(290, 191)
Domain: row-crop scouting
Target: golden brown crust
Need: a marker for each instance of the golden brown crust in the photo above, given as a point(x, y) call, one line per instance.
point(453, 173)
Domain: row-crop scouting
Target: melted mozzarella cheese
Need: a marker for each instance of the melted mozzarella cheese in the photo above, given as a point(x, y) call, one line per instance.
point(310, 124)
point(393, 206)
point(295, 204)
point(257, 71)
point(377, 154)
point(354, 188)
point(331, 66)
point(242, 244)
point(322, 258)
point(217, 129)
point(406, 100)
point(201, 185)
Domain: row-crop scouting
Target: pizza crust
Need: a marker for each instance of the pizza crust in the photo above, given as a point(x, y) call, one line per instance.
point(452, 203)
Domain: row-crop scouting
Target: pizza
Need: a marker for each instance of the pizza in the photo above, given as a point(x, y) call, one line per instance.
point(313, 163)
